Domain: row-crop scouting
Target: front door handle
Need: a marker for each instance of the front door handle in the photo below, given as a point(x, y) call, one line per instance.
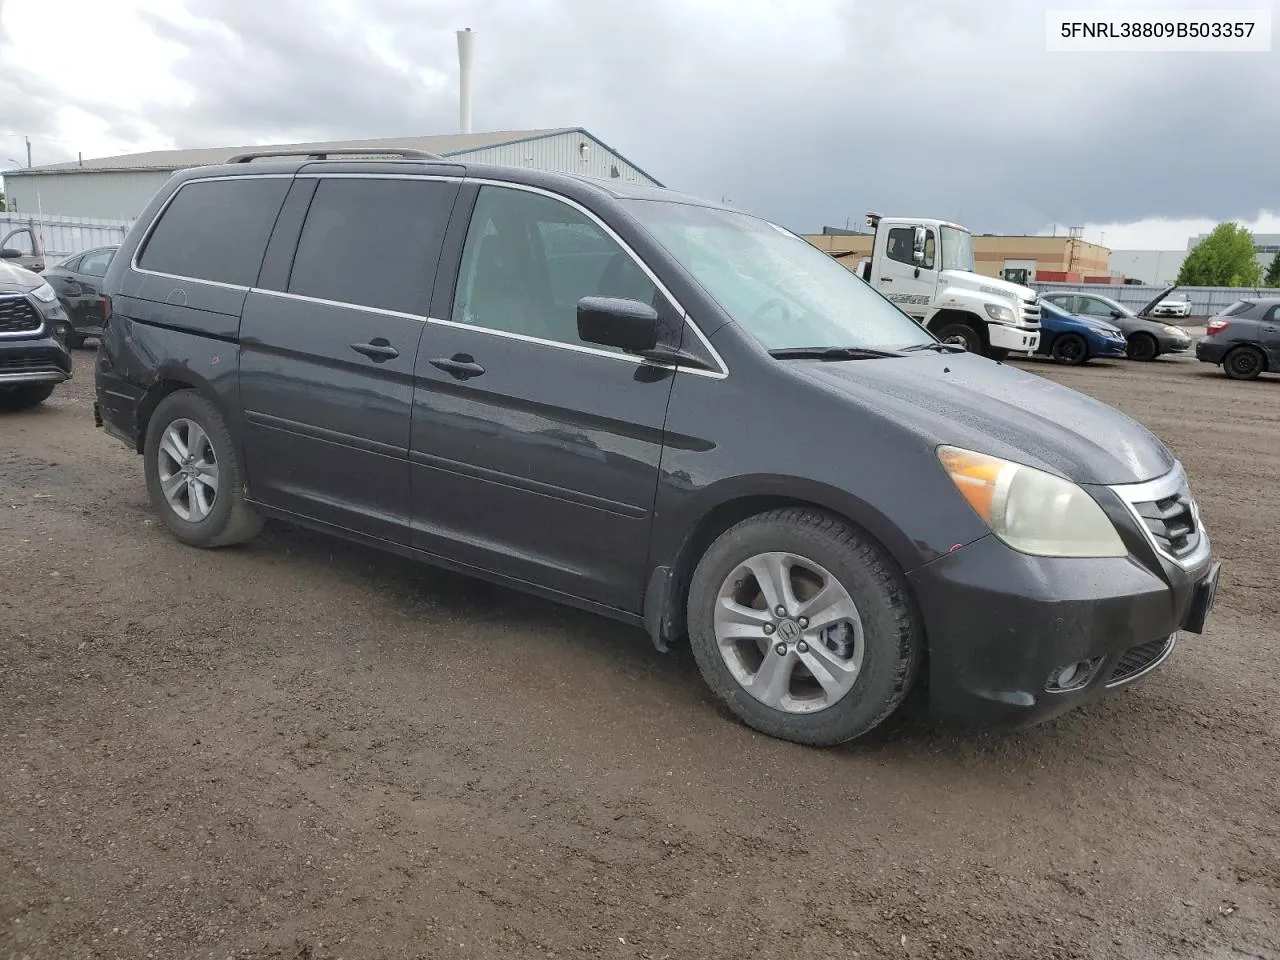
point(886, 279)
point(460, 365)
point(378, 350)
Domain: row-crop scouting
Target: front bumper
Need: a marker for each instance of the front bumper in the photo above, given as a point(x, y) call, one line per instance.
point(41, 358)
point(1170, 344)
point(1005, 337)
point(1002, 624)
point(1106, 347)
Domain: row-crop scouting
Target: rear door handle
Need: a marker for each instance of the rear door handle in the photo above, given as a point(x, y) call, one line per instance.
point(378, 350)
point(463, 366)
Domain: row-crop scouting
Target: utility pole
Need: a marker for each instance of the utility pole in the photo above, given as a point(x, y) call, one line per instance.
point(28, 139)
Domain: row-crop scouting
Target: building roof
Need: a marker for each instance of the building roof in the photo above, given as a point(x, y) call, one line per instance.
point(168, 160)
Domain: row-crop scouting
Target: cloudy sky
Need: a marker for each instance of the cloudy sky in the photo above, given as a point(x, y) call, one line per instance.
point(808, 111)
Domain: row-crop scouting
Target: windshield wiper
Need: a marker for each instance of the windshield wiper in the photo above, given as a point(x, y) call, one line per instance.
point(830, 353)
point(935, 345)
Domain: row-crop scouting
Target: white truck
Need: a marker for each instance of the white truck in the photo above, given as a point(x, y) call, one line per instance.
point(926, 268)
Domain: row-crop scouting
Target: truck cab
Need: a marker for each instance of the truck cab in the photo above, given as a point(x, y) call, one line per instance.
point(926, 268)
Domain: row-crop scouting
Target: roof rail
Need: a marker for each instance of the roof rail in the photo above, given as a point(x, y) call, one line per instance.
point(402, 152)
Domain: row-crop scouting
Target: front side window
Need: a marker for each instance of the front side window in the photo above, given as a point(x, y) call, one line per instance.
point(899, 244)
point(216, 230)
point(373, 243)
point(95, 264)
point(782, 290)
point(530, 258)
point(1093, 307)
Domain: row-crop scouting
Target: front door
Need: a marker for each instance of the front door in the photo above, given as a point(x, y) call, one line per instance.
point(328, 347)
point(535, 455)
point(900, 278)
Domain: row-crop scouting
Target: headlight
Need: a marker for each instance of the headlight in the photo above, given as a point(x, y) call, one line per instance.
point(44, 293)
point(1030, 510)
point(1174, 331)
point(999, 314)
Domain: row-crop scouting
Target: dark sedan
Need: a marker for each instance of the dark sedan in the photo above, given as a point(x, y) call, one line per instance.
point(1074, 340)
point(1145, 338)
point(78, 283)
point(1244, 339)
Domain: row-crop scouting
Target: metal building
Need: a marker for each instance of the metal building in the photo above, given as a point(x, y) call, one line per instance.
point(117, 188)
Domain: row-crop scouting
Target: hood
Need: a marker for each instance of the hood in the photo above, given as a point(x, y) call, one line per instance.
point(1156, 299)
point(991, 286)
point(992, 408)
point(15, 279)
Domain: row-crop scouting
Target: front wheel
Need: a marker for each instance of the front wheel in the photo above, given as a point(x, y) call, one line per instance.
point(803, 627)
point(25, 397)
point(194, 479)
point(961, 334)
point(1142, 346)
point(1070, 349)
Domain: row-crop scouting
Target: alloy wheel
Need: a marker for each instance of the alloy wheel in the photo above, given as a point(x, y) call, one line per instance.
point(188, 470)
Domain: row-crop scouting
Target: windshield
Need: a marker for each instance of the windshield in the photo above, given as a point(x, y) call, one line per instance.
point(957, 250)
point(782, 290)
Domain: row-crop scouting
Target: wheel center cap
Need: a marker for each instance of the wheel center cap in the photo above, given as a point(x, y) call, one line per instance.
point(788, 631)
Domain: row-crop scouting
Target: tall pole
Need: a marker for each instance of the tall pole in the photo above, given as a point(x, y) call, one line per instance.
point(28, 139)
point(464, 80)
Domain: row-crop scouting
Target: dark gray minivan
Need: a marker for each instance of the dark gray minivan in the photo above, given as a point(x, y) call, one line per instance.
point(652, 407)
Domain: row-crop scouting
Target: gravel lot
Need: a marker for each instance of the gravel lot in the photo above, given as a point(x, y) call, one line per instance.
point(303, 749)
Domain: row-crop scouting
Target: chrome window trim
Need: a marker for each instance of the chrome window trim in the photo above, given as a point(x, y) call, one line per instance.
point(1175, 481)
point(25, 334)
point(151, 227)
point(286, 295)
point(1164, 655)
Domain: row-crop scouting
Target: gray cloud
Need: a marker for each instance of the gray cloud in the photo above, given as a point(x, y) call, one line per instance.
point(928, 108)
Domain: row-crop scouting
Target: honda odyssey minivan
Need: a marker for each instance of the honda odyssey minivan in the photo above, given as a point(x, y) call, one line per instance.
point(653, 407)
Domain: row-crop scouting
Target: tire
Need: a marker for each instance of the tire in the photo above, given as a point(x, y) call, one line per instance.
point(25, 397)
point(1142, 347)
point(877, 659)
point(998, 354)
point(1244, 363)
point(219, 519)
point(1070, 349)
point(959, 332)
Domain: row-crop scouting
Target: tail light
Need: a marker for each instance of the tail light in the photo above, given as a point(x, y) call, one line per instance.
point(1216, 326)
point(106, 311)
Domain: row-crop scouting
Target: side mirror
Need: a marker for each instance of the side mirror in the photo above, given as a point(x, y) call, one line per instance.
point(625, 324)
point(1116, 314)
point(8, 253)
point(917, 245)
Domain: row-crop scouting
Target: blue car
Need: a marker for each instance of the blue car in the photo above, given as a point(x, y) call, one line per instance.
point(1072, 339)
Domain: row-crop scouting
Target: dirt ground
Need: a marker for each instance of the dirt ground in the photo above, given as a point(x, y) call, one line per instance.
point(303, 749)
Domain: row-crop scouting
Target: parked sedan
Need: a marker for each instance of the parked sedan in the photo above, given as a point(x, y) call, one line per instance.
point(1072, 340)
point(1145, 338)
point(78, 282)
point(1244, 339)
point(1178, 305)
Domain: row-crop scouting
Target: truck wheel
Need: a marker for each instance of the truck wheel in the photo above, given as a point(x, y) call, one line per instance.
point(1244, 363)
point(1142, 346)
point(803, 627)
point(998, 353)
point(25, 397)
point(1070, 349)
point(961, 333)
point(195, 482)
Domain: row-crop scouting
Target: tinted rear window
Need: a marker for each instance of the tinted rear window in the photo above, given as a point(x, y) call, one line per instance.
point(216, 230)
point(1237, 308)
point(373, 243)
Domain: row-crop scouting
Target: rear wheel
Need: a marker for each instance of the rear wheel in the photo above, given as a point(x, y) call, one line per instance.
point(195, 482)
point(803, 627)
point(962, 334)
point(1244, 363)
point(1070, 349)
point(998, 353)
point(26, 396)
point(1142, 346)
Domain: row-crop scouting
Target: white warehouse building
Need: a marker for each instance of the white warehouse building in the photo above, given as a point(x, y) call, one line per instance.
point(118, 188)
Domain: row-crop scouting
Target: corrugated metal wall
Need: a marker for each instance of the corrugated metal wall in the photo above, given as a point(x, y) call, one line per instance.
point(563, 154)
point(114, 195)
point(63, 236)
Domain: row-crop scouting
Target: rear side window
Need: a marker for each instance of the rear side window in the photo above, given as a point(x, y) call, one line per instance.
point(216, 230)
point(373, 243)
